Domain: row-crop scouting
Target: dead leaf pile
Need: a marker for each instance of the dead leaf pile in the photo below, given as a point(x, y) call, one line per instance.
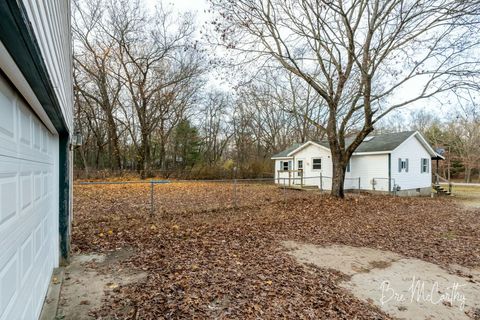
point(205, 259)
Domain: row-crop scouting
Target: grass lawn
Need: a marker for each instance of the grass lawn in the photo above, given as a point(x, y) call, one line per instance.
point(205, 259)
point(469, 195)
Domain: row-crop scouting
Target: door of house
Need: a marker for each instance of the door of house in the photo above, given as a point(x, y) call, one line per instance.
point(299, 175)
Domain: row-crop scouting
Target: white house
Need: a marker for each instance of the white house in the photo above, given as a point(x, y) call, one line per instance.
point(36, 108)
point(387, 162)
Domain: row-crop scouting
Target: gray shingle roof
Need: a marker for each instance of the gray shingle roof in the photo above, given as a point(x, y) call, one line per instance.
point(285, 152)
point(382, 142)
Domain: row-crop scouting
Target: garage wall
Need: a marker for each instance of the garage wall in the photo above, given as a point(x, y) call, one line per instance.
point(28, 207)
point(50, 21)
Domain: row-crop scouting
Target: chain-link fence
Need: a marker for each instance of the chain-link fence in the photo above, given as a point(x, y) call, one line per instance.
point(162, 197)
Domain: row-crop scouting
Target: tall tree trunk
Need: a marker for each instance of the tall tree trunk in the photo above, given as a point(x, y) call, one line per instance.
point(468, 173)
point(81, 150)
point(145, 156)
point(113, 145)
point(338, 172)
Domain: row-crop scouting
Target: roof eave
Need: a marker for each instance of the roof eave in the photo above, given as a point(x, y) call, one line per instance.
point(291, 153)
point(366, 153)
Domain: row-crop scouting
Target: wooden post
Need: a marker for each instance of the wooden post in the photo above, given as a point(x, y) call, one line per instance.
point(235, 192)
point(151, 197)
point(301, 178)
point(359, 185)
point(321, 182)
point(373, 184)
point(289, 178)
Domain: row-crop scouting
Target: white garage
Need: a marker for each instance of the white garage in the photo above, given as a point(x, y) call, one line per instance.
point(36, 107)
point(29, 207)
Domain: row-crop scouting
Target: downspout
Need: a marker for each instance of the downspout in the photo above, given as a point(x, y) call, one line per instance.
point(389, 172)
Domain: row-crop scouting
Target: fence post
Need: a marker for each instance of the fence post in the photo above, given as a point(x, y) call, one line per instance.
point(321, 182)
point(235, 193)
point(301, 178)
point(151, 197)
point(359, 184)
point(289, 178)
point(373, 184)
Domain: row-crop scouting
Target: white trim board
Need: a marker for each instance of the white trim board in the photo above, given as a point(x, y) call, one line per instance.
point(14, 74)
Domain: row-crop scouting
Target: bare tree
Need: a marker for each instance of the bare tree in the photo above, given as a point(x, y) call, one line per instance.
point(215, 126)
point(157, 67)
point(94, 66)
point(464, 138)
point(357, 55)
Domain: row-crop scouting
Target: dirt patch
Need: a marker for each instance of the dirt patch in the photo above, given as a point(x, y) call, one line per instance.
point(87, 280)
point(405, 288)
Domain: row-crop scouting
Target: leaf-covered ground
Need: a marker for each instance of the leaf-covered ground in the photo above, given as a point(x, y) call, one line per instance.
point(206, 259)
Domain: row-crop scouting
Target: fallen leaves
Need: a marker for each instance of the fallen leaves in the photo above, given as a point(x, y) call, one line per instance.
point(204, 259)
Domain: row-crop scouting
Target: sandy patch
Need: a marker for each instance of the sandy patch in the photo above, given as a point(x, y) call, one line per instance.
point(404, 288)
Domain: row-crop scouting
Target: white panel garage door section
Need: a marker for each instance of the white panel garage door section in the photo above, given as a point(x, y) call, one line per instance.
point(28, 208)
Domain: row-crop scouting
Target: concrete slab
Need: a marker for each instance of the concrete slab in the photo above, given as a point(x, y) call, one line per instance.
point(85, 286)
point(402, 287)
point(50, 305)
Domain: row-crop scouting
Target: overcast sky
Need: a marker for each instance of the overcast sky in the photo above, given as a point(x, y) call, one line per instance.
point(199, 7)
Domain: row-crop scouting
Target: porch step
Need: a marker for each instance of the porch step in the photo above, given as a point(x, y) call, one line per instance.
point(441, 191)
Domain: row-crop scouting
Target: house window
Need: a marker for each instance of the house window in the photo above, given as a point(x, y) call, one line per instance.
point(317, 163)
point(424, 167)
point(402, 165)
point(348, 166)
point(285, 165)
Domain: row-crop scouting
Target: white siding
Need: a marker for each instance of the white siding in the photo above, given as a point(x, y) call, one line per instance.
point(414, 151)
point(28, 207)
point(311, 176)
point(51, 23)
point(367, 168)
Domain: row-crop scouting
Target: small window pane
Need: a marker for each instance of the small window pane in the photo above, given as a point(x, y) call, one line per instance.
point(424, 165)
point(317, 164)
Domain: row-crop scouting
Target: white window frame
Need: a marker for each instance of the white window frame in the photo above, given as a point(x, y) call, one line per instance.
point(282, 165)
point(403, 165)
point(425, 165)
point(313, 164)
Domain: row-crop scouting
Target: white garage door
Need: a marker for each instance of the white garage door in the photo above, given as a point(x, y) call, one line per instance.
point(28, 207)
